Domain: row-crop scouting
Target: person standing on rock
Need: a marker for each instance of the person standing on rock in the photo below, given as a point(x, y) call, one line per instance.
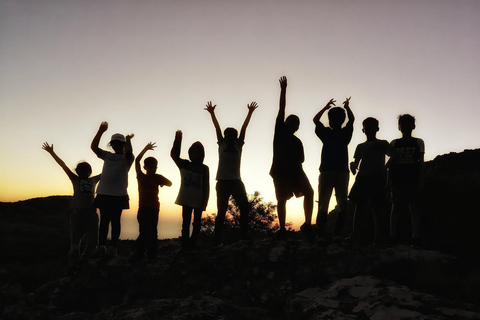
point(287, 172)
point(404, 175)
point(334, 172)
point(148, 204)
point(229, 182)
point(368, 191)
point(112, 196)
point(194, 188)
point(84, 219)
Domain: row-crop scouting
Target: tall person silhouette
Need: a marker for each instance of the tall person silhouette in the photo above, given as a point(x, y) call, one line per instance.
point(287, 170)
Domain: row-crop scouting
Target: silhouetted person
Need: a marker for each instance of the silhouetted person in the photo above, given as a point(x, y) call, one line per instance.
point(368, 191)
point(84, 219)
point(112, 195)
point(287, 171)
point(334, 172)
point(229, 182)
point(194, 188)
point(404, 174)
point(148, 204)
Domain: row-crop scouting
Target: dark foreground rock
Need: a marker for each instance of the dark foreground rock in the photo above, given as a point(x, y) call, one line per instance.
point(261, 279)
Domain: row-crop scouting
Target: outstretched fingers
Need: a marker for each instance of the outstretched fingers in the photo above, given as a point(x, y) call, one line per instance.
point(252, 106)
point(151, 145)
point(47, 147)
point(210, 107)
point(331, 103)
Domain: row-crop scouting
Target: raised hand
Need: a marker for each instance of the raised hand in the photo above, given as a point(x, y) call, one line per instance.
point(103, 127)
point(47, 147)
point(330, 104)
point(283, 82)
point(210, 108)
point(346, 102)
point(178, 134)
point(130, 136)
point(150, 146)
point(252, 106)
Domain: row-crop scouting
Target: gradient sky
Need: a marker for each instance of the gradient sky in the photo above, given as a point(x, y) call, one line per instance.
point(149, 67)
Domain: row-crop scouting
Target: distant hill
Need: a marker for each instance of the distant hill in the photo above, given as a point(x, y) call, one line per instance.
point(34, 238)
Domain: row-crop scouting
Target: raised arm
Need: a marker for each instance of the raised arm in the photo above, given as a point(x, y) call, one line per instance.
point(280, 120)
point(149, 146)
point(320, 113)
point(346, 105)
point(283, 95)
point(128, 148)
point(96, 140)
point(251, 107)
point(49, 149)
point(211, 109)
point(177, 145)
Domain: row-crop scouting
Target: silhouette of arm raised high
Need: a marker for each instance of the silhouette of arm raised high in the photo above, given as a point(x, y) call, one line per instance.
point(351, 117)
point(96, 140)
point(128, 148)
point(211, 109)
point(251, 107)
point(49, 149)
point(280, 121)
point(177, 145)
point(149, 146)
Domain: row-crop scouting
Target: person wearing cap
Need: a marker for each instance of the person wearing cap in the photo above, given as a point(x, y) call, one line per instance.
point(112, 196)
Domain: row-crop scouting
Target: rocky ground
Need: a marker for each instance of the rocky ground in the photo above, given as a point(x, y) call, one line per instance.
point(261, 279)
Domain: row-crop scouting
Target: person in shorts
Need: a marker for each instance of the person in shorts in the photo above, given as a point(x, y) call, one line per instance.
point(287, 171)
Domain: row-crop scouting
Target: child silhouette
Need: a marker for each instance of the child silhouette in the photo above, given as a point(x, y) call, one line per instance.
point(112, 196)
point(194, 188)
point(368, 191)
point(404, 175)
point(334, 172)
point(229, 182)
point(84, 219)
point(148, 204)
point(287, 172)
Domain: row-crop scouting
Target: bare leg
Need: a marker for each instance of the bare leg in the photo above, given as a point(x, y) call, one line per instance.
point(308, 206)
point(282, 212)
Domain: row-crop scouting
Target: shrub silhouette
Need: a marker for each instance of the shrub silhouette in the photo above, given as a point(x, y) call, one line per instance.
point(262, 218)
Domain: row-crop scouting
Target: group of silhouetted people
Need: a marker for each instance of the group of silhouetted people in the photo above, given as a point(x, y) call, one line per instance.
point(402, 172)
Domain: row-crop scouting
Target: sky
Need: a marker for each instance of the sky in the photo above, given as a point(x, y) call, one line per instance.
point(149, 67)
